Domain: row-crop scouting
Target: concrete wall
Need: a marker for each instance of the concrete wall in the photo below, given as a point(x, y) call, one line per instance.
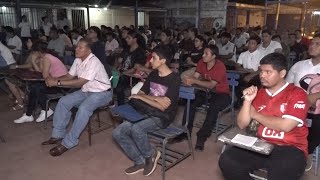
point(112, 17)
point(183, 14)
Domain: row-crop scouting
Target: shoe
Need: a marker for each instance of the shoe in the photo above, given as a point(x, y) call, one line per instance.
point(309, 163)
point(52, 141)
point(42, 115)
point(24, 118)
point(180, 138)
point(134, 169)
point(151, 164)
point(58, 150)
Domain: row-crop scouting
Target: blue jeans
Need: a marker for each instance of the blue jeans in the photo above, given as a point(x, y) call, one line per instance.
point(3, 62)
point(133, 138)
point(86, 102)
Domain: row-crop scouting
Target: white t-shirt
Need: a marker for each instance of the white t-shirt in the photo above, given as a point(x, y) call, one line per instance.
point(227, 49)
point(239, 42)
point(15, 41)
point(300, 69)
point(271, 48)
point(93, 70)
point(25, 29)
point(250, 60)
point(46, 28)
point(6, 54)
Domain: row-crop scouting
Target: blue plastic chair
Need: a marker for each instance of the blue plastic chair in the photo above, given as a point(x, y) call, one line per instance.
point(233, 80)
point(171, 132)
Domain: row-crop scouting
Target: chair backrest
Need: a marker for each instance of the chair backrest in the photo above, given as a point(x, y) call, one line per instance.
point(188, 94)
point(233, 80)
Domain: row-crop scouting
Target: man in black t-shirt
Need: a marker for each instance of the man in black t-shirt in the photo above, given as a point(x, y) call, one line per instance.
point(161, 92)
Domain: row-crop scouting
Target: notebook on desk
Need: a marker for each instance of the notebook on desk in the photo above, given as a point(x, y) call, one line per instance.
point(128, 113)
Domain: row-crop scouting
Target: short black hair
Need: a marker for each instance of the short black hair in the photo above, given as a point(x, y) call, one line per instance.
point(194, 30)
point(214, 49)
point(54, 29)
point(164, 52)
point(167, 32)
point(9, 29)
point(292, 34)
point(61, 31)
point(201, 38)
point(255, 38)
point(96, 30)
point(276, 36)
point(226, 35)
point(266, 31)
point(277, 60)
point(87, 41)
point(298, 30)
point(74, 31)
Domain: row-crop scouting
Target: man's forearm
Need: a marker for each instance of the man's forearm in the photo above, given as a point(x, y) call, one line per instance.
point(75, 83)
point(151, 102)
point(244, 118)
point(205, 84)
point(312, 98)
point(66, 77)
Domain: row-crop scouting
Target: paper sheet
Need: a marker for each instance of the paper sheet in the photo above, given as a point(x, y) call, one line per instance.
point(244, 140)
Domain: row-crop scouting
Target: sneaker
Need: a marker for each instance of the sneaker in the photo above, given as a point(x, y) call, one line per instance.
point(309, 163)
point(151, 164)
point(134, 169)
point(42, 115)
point(24, 119)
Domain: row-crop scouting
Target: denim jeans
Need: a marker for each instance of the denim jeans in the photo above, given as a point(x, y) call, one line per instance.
point(133, 138)
point(86, 102)
point(3, 62)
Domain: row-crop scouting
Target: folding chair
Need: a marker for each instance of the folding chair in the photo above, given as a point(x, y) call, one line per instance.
point(233, 79)
point(169, 156)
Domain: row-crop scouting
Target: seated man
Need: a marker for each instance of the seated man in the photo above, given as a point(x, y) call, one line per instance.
point(227, 50)
point(87, 73)
point(249, 61)
point(298, 71)
point(56, 43)
point(214, 78)
point(280, 109)
point(161, 91)
point(6, 57)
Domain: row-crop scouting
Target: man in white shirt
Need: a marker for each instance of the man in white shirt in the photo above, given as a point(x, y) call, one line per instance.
point(6, 57)
point(25, 27)
point(14, 43)
point(250, 60)
point(56, 43)
point(75, 35)
point(268, 46)
point(46, 25)
point(299, 70)
point(240, 41)
point(111, 44)
point(227, 50)
point(87, 73)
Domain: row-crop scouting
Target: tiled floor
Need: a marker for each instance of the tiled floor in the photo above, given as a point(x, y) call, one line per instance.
point(23, 158)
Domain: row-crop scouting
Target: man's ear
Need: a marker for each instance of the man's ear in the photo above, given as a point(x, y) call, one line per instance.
point(283, 73)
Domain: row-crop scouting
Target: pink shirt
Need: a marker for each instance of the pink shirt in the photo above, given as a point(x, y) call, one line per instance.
point(92, 70)
point(57, 68)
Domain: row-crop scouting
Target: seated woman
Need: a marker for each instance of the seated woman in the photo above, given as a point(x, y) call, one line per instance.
point(194, 56)
point(50, 66)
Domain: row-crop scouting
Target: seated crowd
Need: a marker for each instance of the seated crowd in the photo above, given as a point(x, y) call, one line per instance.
point(273, 72)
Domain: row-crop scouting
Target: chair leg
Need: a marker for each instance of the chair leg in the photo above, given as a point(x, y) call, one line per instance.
point(89, 131)
point(317, 161)
point(46, 115)
point(163, 164)
point(98, 117)
point(217, 128)
point(190, 144)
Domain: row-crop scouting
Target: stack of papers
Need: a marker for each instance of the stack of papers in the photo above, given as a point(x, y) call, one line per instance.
point(244, 140)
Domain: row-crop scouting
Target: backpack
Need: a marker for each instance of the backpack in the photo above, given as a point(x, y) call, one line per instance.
point(312, 87)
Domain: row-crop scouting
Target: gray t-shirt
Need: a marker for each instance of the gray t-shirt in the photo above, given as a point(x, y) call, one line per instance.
point(57, 45)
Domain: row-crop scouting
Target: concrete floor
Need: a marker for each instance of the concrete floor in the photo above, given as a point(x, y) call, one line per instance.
point(23, 158)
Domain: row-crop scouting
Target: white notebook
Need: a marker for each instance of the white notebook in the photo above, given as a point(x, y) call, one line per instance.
point(244, 140)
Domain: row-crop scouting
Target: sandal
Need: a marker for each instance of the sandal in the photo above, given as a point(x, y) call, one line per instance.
point(17, 107)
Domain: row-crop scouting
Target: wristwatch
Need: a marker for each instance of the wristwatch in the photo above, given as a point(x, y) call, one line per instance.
point(59, 83)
